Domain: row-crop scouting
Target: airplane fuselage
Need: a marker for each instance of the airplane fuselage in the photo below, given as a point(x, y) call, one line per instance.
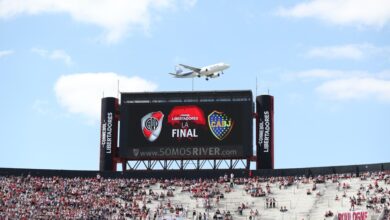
point(211, 69)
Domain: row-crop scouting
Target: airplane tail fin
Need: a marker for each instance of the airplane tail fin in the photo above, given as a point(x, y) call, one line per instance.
point(178, 69)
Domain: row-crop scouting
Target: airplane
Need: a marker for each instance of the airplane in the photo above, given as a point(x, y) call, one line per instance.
point(211, 71)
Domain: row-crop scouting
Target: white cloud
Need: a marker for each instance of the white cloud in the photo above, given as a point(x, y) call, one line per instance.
point(371, 13)
point(4, 53)
point(117, 17)
point(40, 52)
point(327, 74)
point(356, 89)
point(81, 93)
point(54, 55)
point(61, 55)
point(348, 51)
point(347, 85)
point(322, 74)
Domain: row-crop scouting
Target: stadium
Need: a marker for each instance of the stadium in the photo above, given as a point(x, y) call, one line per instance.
point(188, 155)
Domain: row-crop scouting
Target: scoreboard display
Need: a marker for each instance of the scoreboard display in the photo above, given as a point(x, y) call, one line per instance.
point(189, 125)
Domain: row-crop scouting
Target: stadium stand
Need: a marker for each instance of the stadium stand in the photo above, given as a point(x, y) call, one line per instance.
point(51, 194)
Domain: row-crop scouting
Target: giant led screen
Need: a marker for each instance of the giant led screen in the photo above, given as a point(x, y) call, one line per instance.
point(185, 130)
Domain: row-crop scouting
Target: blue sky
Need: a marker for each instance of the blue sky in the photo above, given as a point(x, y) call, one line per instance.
point(326, 62)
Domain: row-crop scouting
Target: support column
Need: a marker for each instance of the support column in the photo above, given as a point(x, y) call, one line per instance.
point(108, 134)
point(265, 132)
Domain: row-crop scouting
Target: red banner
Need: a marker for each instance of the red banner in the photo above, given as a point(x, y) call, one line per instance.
point(356, 215)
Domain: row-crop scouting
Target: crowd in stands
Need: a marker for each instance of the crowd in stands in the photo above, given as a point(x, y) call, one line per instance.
point(26, 197)
point(70, 198)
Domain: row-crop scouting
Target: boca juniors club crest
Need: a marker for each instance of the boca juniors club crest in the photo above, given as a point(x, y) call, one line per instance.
point(220, 124)
point(151, 125)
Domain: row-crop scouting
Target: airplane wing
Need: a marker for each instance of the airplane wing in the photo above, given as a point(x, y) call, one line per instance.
point(191, 68)
point(215, 74)
point(184, 75)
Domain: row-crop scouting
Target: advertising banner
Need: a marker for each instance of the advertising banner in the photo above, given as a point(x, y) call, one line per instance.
point(353, 215)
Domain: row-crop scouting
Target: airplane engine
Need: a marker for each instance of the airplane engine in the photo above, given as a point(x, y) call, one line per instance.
point(215, 75)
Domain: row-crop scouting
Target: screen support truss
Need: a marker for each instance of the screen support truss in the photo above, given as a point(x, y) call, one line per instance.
point(185, 164)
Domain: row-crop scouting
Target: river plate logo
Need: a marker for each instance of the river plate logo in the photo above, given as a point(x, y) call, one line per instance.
point(220, 124)
point(151, 125)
